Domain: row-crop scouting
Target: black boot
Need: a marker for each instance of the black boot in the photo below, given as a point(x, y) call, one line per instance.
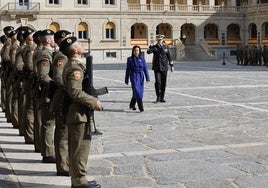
point(132, 104)
point(140, 104)
point(156, 87)
point(162, 96)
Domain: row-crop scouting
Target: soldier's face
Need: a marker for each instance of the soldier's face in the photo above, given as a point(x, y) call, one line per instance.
point(79, 48)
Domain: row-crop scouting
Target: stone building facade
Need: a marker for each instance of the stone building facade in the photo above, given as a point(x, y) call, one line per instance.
point(109, 28)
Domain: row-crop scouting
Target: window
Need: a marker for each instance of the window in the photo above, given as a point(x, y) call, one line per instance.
point(110, 2)
point(54, 26)
point(55, 2)
point(110, 30)
point(111, 54)
point(82, 31)
point(23, 2)
point(82, 2)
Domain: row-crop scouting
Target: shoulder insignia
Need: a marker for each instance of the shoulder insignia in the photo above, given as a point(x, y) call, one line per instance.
point(77, 75)
point(43, 63)
point(59, 63)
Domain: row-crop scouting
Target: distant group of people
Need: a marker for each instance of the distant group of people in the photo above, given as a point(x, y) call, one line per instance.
point(252, 55)
point(137, 70)
point(42, 95)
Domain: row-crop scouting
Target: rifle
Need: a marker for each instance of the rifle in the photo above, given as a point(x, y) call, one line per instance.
point(90, 89)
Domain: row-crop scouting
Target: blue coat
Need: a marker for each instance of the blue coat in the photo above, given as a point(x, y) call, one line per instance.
point(135, 71)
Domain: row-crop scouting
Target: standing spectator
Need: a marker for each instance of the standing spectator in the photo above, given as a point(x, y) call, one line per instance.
point(161, 60)
point(135, 71)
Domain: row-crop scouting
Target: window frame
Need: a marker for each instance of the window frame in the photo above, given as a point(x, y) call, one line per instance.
point(53, 3)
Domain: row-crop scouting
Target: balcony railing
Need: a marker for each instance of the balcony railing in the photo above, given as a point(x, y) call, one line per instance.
point(196, 8)
point(21, 7)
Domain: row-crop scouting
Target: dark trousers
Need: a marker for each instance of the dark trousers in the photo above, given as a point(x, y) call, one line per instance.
point(160, 83)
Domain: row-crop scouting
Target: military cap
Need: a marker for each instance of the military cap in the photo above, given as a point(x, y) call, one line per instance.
point(61, 34)
point(27, 33)
point(36, 36)
point(20, 35)
point(66, 43)
point(3, 38)
point(8, 28)
point(46, 32)
point(160, 37)
point(12, 33)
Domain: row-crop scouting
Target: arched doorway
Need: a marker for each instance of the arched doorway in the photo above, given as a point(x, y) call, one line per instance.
point(264, 33)
point(233, 35)
point(165, 29)
point(252, 39)
point(139, 34)
point(189, 31)
point(211, 34)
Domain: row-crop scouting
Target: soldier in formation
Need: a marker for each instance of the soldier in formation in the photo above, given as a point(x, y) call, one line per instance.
point(252, 55)
point(41, 72)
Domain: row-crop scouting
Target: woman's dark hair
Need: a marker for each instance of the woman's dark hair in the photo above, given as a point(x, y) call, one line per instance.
point(134, 49)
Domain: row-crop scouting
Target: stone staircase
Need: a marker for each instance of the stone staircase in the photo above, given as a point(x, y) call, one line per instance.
point(197, 53)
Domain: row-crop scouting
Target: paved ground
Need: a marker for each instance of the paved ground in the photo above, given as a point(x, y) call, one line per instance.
point(212, 132)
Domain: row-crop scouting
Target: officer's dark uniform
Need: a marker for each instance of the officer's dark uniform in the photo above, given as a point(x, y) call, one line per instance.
point(161, 60)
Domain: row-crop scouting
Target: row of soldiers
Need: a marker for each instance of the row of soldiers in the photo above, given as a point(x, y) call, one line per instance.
point(252, 55)
point(36, 97)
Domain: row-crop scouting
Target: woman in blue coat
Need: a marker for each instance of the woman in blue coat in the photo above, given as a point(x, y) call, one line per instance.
point(135, 72)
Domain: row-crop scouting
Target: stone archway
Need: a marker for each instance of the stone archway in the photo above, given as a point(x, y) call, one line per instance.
point(189, 31)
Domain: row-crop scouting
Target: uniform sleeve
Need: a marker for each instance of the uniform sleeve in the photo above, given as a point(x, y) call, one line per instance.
point(169, 57)
point(74, 87)
point(145, 70)
point(127, 71)
point(44, 67)
point(58, 64)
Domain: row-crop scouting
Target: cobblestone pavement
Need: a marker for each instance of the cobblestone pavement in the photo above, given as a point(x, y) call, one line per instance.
point(212, 132)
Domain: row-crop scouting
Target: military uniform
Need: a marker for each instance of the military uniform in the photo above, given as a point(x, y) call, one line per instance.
point(37, 95)
point(58, 107)
point(5, 61)
point(27, 54)
point(12, 97)
point(44, 63)
point(77, 117)
point(161, 60)
point(19, 66)
point(3, 39)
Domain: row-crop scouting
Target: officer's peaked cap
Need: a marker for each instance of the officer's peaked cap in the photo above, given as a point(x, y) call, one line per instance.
point(160, 37)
